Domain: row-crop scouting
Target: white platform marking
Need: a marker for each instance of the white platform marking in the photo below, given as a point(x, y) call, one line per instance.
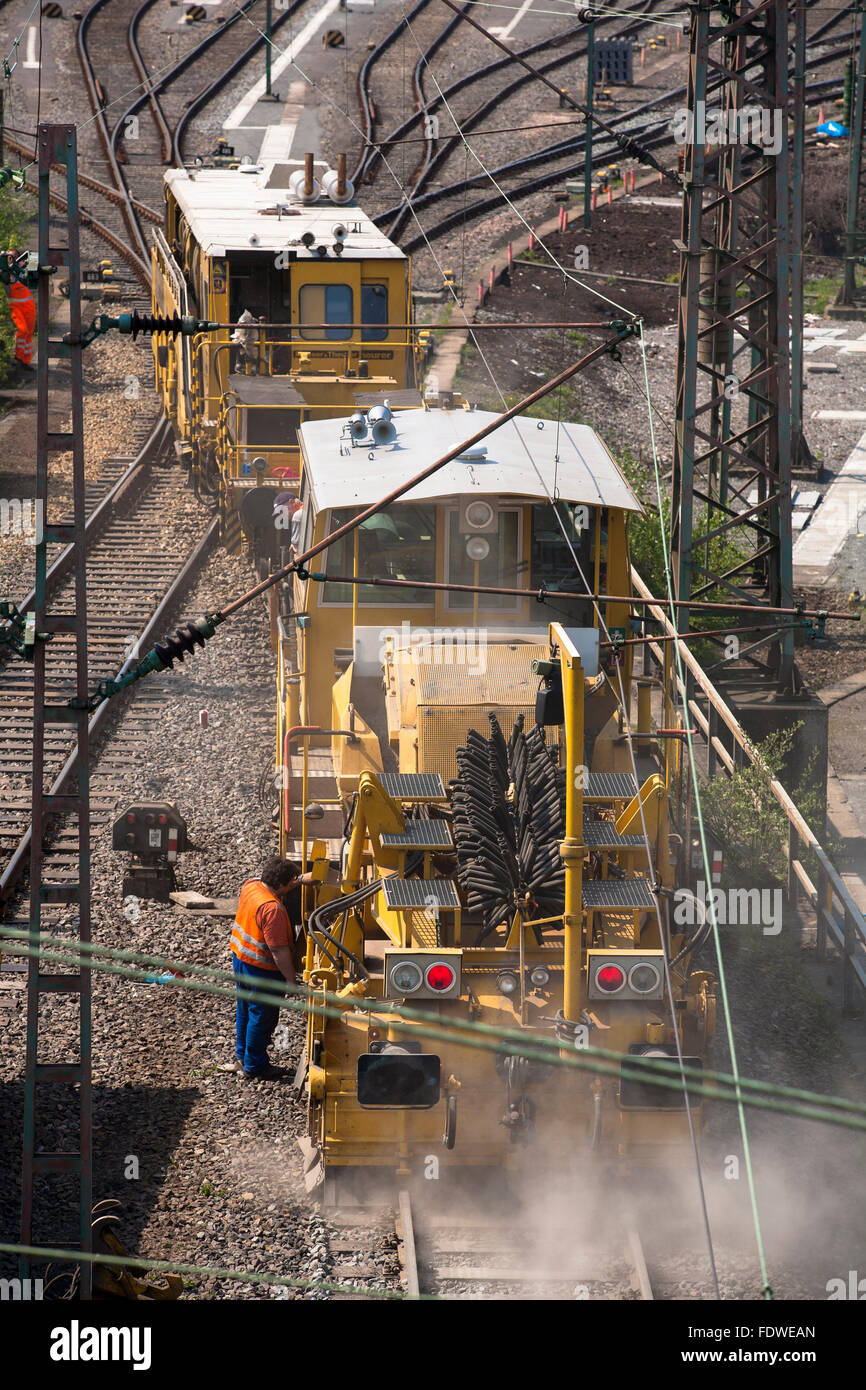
point(839, 414)
point(30, 58)
point(280, 62)
point(503, 33)
point(838, 516)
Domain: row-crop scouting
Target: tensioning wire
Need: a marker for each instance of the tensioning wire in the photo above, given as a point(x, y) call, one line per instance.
point(666, 18)
point(567, 274)
point(753, 1198)
point(811, 1105)
point(603, 625)
point(16, 42)
point(134, 91)
point(241, 1276)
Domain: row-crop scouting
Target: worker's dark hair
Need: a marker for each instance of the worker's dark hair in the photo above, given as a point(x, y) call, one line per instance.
point(278, 871)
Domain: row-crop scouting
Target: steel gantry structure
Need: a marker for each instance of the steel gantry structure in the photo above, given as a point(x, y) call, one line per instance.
point(60, 697)
point(740, 260)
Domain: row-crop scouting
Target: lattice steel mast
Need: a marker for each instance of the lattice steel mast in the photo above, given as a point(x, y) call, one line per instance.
point(51, 690)
point(733, 377)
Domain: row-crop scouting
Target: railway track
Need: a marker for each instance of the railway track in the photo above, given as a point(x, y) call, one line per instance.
point(395, 218)
point(484, 1247)
point(147, 538)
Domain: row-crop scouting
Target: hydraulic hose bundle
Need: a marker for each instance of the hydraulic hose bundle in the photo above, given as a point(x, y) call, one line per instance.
point(509, 821)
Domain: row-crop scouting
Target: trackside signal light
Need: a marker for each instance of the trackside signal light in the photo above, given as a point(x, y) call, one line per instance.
point(407, 977)
point(439, 976)
point(644, 978)
point(610, 978)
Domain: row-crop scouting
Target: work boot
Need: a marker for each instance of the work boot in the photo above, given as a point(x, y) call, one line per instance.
point(268, 1073)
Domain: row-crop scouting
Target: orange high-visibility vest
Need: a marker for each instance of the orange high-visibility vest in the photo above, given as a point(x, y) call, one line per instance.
point(248, 942)
point(22, 308)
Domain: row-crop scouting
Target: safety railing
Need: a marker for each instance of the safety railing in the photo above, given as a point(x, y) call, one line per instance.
point(215, 360)
point(236, 455)
point(838, 917)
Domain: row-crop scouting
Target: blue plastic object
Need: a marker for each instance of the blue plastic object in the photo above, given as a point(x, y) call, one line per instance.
point(833, 128)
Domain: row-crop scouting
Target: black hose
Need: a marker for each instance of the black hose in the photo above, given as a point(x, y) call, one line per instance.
point(344, 903)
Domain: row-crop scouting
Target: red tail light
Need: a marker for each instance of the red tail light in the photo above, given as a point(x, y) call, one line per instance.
point(440, 976)
point(610, 978)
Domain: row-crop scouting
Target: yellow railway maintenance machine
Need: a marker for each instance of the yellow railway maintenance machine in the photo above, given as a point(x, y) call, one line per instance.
point(493, 866)
point(284, 252)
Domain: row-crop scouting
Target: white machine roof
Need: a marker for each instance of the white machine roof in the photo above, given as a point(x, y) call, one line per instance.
point(226, 211)
point(585, 471)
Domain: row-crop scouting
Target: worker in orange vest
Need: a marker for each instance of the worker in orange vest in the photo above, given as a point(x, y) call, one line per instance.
point(262, 947)
point(22, 307)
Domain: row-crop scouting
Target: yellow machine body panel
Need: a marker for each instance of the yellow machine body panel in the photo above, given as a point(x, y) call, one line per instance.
point(321, 300)
point(387, 682)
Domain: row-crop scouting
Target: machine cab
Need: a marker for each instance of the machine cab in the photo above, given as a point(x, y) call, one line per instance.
point(412, 667)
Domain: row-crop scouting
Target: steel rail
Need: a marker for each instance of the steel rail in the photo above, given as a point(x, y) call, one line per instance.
point(489, 70)
point(95, 523)
point(87, 181)
point(418, 85)
point(165, 79)
point(156, 622)
point(368, 109)
point(90, 80)
point(141, 69)
point(434, 163)
point(209, 92)
point(601, 155)
point(133, 260)
point(400, 212)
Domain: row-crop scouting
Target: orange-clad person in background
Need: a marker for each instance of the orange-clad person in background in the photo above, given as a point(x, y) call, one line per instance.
point(22, 307)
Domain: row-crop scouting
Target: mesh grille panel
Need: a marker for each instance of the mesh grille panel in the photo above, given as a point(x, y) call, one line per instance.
point(603, 833)
point(618, 892)
point(422, 834)
point(442, 730)
point(610, 786)
point(417, 892)
point(413, 786)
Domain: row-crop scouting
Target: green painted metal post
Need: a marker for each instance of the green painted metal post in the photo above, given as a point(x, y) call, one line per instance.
point(57, 146)
point(849, 284)
point(801, 455)
point(587, 148)
point(268, 92)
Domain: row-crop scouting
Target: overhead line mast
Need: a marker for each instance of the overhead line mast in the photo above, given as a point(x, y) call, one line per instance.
point(734, 315)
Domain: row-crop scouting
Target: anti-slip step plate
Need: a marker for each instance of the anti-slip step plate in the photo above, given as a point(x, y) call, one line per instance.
point(403, 893)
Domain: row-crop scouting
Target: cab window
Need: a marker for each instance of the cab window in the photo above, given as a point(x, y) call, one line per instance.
point(331, 304)
point(398, 543)
point(557, 538)
point(374, 311)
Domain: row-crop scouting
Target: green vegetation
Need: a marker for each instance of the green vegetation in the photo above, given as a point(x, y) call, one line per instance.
point(721, 554)
point(821, 291)
point(744, 815)
point(561, 404)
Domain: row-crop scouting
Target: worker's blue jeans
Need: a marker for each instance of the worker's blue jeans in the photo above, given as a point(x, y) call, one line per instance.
point(255, 1020)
